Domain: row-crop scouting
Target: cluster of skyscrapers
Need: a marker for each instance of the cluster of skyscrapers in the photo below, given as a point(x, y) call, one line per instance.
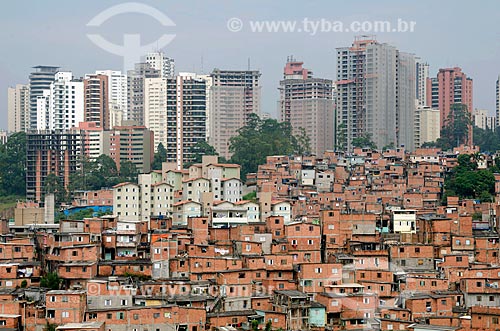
point(379, 93)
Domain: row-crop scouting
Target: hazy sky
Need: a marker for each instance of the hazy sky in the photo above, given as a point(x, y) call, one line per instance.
point(447, 33)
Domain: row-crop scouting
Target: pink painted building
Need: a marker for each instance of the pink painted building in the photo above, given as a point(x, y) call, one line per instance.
point(451, 86)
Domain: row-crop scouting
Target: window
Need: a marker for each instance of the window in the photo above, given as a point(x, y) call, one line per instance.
point(494, 320)
point(109, 316)
point(65, 314)
point(458, 259)
point(417, 249)
point(479, 284)
point(124, 302)
point(479, 298)
point(366, 300)
point(120, 316)
point(64, 299)
point(52, 299)
point(107, 302)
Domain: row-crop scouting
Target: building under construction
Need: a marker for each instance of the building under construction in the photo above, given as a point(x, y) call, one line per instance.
point(50, 152)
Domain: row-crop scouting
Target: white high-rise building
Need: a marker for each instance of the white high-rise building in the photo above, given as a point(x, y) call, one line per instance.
point(427, 125)
point(117, 87)
point(18, 107)
point(422, 74)
point(40, 80)
point(175, 110)
point(61, 107)
point(482, 120)
point(159, 61)
point(497, 117)
point(155, 105)
point(42, 110)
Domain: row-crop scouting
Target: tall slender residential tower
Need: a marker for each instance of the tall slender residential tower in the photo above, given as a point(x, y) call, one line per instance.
point(175, 110)
point(422, 74)
point(376, 93)
point(40, 80)
point(156, 114)
point(233, 95)
point(135, 91)
point(162, 63)
point(498, 102)
point(307, 104)
point(451, 86)
point(96, 102)
point(117, 97)
point(18, 107)
point(405, 100)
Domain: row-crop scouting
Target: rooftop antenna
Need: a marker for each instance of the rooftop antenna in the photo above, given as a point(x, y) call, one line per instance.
point(202, 65)
point(248, 64)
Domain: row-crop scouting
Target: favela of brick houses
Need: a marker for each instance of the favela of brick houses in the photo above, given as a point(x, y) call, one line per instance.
point(242, 191)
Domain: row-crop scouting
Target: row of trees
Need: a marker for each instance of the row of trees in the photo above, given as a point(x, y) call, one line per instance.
point(13, 166)
point(262, 138)
point(456, 129)
point(487, 140)
point(92, 175)
point(468, 182)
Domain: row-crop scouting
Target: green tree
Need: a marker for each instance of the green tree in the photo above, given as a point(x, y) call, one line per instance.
point(159, 157)
point(198, 150)
point(456, 127)
point(364, 141)
point(341, 143)
point(486, 139)
point(303, 142)
point(467, 181)
point(269, 326)
point(128, 172)
point(51, 281)
point(50, 327)
point(52, 185)
point(259, 139)
point(81, 179)
point(255, 325)
point(388, 147)
point(13, 165)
